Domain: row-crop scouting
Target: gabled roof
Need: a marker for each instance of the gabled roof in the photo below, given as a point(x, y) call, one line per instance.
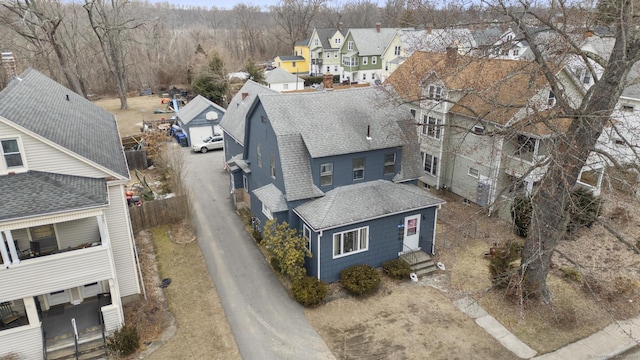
point(371, 42)
point(337, 122)
point(304, 42)
point(233, 121)
point(271, 197)
point(374, 198)
point(41, 105)
point(280, 76)
point(37, 193)
point(492, 89)
point(326, 34)
point(488, 36)
point(195, 107)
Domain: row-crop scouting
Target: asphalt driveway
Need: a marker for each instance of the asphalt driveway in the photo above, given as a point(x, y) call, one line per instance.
point(265, 321)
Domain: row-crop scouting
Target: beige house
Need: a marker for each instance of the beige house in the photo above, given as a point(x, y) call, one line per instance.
point(486, 126)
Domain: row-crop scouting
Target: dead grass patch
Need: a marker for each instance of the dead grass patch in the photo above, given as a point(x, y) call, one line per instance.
point(140, 109)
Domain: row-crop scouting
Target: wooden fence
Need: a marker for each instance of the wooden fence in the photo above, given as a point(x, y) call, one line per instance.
point(156, 212)
point(136, 159)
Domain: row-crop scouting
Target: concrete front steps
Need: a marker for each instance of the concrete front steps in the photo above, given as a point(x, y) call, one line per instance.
point(91, 346)
point(421, 263)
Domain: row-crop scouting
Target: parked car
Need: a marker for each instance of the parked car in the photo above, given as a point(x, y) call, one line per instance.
point(210, 143)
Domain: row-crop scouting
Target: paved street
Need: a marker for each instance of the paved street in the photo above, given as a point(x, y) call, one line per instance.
point(266, 322)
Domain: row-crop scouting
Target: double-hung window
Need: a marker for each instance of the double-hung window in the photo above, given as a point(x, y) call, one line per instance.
point(374, 60)
point(272, 166)
point(350, 45)
point(432, 127)
point(259, 154)
point(11, 153)
point(306, 234)
point(326, 174)
point(430, 164)
point(365, 60)
point(390, 164)
point(396, 50)
point(435, 92)
point(358, 168)
point(352, 241)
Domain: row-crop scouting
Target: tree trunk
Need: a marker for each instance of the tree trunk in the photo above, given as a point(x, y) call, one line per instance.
point(549, 215)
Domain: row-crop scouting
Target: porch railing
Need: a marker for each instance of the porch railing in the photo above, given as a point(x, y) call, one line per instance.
point(409, 254)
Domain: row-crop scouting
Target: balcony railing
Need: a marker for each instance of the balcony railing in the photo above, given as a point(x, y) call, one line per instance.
point(316, 61)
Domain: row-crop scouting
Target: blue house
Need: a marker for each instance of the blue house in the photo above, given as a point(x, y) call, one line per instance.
point(233, 129)
point(339, 166)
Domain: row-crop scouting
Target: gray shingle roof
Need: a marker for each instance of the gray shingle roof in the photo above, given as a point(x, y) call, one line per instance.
point(272, 198)
point(195, 107)
point(336, 122)
point(326, 34)
point(39, 104)
point(487, 36)
point(359, 202)
point(291, 58)
point(437, 39)
point(280, 76)
point(296, 168)
point(233, 121)
point(371, 42)
point(37, 193)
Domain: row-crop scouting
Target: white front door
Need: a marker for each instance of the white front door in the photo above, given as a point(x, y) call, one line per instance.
point(411, 239)
point(58, 297)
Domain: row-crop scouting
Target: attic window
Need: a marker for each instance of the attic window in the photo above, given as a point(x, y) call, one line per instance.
point(263, 118)
point(11, 153)
point(435, 92)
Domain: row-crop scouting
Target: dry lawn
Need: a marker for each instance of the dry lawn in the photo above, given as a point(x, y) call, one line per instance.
point(202, 328)
point(141, 108)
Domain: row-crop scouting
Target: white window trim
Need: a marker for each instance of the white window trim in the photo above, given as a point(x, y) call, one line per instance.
point(374, 60)
point(4, 168)
point(326, 173)
point(434, 167)
point(473, 172)
point(350, 45)
point(358, 169)
point(343, 254)
point(267, 212)
point(389, 163)
point(245, 183)
point(365, 60)
point(307, 230)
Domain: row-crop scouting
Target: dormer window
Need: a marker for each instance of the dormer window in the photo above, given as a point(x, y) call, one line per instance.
point(435, 92)
point(11, 153)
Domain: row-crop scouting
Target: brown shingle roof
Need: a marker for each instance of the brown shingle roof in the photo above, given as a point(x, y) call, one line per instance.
point(492, 89)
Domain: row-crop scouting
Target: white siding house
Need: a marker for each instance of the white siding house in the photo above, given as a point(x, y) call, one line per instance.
point(65, 233)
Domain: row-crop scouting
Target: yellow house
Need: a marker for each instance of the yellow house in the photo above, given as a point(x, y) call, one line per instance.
point(297, 64)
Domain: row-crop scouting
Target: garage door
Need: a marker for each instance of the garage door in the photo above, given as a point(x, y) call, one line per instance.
point(197, 134)
point(217, 130)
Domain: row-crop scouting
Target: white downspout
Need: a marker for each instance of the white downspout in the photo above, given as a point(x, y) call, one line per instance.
point(435, 225)
point(319, 248)
point(444, 121)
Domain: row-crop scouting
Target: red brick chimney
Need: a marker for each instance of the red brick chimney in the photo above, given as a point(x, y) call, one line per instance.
point(378, 26)
point(327, 81)
point(452, 56)
point(340, 26)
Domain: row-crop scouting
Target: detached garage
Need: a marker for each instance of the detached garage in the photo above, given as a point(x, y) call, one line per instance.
point(200, 118)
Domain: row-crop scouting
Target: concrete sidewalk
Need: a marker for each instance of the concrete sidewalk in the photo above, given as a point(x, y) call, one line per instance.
point(611, 341)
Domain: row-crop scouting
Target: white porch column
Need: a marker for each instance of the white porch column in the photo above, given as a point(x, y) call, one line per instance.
point(31, 310)
point(3, 252)
point(12, 247)
point(115, 298)
point(104, 232)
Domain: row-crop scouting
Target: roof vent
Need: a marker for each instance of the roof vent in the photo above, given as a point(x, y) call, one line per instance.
point(66, 97)
point(369, 132)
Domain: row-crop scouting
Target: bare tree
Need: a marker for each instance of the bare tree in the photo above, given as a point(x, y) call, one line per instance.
point(110, 21)
point(550, 201)
point(295, 18)
point(42, 24)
